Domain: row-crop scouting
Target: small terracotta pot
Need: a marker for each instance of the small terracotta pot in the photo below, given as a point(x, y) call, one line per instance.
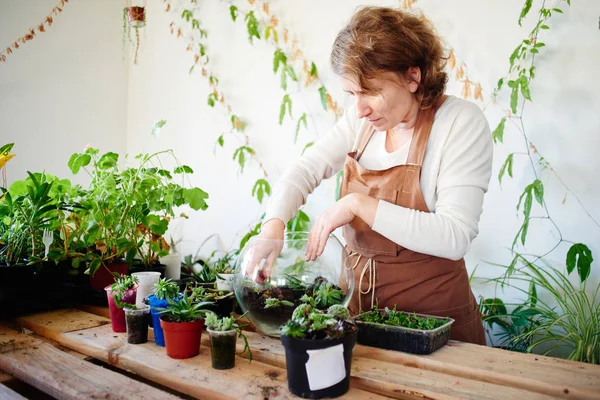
point(182, 339)
point(136, 16)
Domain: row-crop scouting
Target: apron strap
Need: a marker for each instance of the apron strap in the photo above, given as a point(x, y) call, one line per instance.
point(362, 141)
point(418, 145)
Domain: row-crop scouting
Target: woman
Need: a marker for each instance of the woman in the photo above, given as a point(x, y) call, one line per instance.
point(416, 166)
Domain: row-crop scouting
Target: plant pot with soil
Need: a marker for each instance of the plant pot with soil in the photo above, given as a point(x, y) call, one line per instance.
point(223, 301)
point(165, 290)
point(400, 331)
point(182, 322)
point(120, 294)
point(318, 350)
point(136, 319)
point(223, 334)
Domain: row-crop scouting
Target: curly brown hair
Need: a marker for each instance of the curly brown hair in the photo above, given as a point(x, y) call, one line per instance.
point(382, 39)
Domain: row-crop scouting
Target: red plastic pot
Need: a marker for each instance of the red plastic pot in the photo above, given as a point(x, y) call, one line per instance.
point(117, 315)
point(182, 339)
point(104, 277)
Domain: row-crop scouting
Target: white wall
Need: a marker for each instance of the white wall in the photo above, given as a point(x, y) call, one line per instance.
point(86, 104)
point(64, 89)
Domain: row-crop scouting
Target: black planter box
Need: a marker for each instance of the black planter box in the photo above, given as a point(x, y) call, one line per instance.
point(399, 338)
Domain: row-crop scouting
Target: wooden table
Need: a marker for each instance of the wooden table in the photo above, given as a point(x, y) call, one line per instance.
point(62, 338)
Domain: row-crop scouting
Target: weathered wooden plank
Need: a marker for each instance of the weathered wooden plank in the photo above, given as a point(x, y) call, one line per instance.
point(64, 376)
point(9, 394)
point(551, 376)
point(194, 376)
point(397, 381)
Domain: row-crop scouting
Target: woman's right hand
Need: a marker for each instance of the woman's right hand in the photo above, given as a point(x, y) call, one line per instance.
point(267, 245)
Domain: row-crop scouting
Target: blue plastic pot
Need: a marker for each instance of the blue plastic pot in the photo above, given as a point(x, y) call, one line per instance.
point(155, 306)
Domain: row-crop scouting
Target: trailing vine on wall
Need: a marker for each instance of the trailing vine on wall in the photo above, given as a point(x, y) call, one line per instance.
point(196, 37)
point(30, 35)
point(520, 74)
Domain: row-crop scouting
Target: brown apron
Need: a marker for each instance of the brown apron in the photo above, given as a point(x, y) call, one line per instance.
point(388, 274)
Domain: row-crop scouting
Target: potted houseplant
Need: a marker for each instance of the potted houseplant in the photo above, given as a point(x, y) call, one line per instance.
point(224, 269)
point(223, 333)
point(120, 294)
point(408, 332)
point(136, 319)
point(223, 302)
point(202, 275)
point(165, 290)
point(133, 17)
point(128, 208)
point(318, 350)
point(182, 322)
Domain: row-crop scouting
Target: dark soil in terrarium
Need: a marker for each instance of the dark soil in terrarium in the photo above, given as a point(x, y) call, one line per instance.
point(256, 300)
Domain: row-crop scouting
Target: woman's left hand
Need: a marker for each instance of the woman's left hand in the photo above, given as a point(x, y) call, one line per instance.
point(342, 212)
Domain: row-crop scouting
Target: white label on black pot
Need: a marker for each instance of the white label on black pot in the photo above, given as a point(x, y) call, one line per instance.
point(325, 367)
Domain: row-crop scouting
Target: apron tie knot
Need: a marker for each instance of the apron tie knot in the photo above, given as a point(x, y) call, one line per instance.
point(370, 267)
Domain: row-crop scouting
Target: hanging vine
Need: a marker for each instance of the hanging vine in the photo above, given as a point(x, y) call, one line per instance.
point(41, 27)
point(520, 74)
point(197, 46)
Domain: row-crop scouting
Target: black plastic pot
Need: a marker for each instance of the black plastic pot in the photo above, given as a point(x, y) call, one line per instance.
point(408, 340)
point(297, 358)
point(137, 324)
point(222, 348)
point(223, 307)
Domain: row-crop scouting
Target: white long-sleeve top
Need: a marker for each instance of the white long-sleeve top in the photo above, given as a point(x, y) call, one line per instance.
point(455, 175)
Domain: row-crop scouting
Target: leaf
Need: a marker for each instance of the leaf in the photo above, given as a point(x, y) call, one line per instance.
point(240, 155)
point(525, 10)
point(301, 120)
point(581, 256)
point(233, 11)
point(508, 164)
point(221, 141)
point(498, 134)
point(108, 160)
point(157, 126)
point(4, 150)
point(313, 69)
point(187, 15)
point(539, 44)
point(306, 147)
point(514, 98)
point(544, 27)
point(500, 83)
point(286, 102)
point(538, 190)
point(77, 161)
point(252, 26)
point(323, 94)
point(534, 51)
point(524, 83)
point(283, 79)
point(524, 229)
point(279, 57)
point(261, 187)
point(213, 98)
point(196, 197)
point(183, 169)
point(532, 294)
point(558, 10)
point(291, 73)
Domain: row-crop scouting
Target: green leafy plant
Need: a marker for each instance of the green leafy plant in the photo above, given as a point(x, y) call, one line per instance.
point(276, 303)
point(204, 275)
point(166, 289)
point(215, 323)
point(128, 209)
point(185, 309)
point(224, 264)
point(326, 294)
point(573, 324)
point(26, 209)
point(310, 323)
point(399, 318)
point(122, 284)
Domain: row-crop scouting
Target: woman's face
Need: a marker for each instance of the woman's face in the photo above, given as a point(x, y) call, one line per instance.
point(393, 104)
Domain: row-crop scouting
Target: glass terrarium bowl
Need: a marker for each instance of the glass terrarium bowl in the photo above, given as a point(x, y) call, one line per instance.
point(269, 301)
